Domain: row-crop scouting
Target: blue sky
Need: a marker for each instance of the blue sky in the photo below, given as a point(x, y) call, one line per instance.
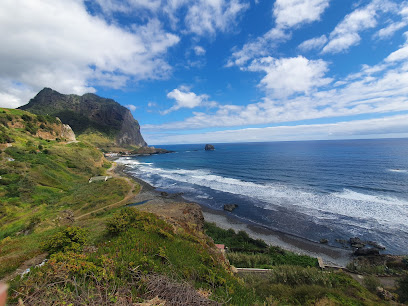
point(216, 70)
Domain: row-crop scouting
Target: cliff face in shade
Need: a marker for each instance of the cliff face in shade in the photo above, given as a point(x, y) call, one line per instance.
point(89, 113)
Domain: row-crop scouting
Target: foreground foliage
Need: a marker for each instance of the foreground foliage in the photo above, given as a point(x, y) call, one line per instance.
point(245, 252)
point(142, 250)
point(40, 180)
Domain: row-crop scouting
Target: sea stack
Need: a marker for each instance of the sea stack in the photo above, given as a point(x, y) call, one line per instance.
point(209, 147)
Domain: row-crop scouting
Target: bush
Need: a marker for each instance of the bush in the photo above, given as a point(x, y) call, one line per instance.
point(71, 238)
point(402, 289)
point(26, 118)
point(371, 283)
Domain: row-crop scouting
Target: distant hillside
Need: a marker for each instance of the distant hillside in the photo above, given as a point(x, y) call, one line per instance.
point(89, 114)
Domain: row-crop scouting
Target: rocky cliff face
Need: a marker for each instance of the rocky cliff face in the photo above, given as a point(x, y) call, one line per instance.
point(89, 113)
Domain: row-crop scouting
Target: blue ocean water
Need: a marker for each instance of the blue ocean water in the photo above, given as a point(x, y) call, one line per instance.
point(311, 189)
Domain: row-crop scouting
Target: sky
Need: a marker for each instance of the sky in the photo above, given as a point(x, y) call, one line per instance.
point(216, 70)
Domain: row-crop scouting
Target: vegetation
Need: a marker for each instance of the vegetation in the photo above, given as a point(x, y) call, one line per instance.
point(40, 179)
point(245, 252)
point(99, 253)
point(133, 252)
point(289, 285)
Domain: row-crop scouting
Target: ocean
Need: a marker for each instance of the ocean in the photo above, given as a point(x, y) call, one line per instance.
point(312, 189)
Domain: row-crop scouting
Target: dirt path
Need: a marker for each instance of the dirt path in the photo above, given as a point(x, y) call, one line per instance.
point(32, 262)
point(130, 195)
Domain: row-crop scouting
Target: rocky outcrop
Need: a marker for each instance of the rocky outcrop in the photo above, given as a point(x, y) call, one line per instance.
point(366, 252)
point(67, 132)
point(89, 113)
point(230, 207)
point(209, 147)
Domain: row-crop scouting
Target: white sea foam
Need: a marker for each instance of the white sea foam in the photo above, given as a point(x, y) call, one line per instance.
point(398, 170)
point(372, 209)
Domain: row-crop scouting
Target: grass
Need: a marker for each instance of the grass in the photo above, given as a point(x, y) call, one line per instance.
point(45, 178)
point(136, 243)
point(290, 285)
point(245, 252)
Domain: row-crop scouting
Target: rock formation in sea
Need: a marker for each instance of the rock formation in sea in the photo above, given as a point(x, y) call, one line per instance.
point(209, 147)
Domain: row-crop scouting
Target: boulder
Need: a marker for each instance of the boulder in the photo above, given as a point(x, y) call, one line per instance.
point(324, 241)
point(366, 252)
point(230, 207)
point(376, 245)
point(209, 147)
point(357, 242)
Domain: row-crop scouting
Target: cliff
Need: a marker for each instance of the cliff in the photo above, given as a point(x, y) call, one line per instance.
point(89, 113)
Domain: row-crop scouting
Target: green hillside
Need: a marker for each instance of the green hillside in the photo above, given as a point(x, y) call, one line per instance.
point(100, 252)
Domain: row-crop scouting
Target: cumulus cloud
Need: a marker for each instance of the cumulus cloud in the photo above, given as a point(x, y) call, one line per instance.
point(127, 6)
point(374, 90)
point(290, 13)
point(394, 126)
point(131, 107)
point(287, 76)
point(346, 33)
point(58, 44)
point(186, 99)
point(314, 43)
point(207, 16)
point(199, 50)
point(389, 30)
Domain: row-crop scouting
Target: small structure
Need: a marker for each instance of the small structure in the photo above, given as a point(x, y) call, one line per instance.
point(99, 178)
point(221, 247)
point(321, 263)
point(111, 154)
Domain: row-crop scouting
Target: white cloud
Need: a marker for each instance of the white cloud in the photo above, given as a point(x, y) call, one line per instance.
point(399, 55)
point(186, 99)
point(207, 16)
point(199, 50)
point(314, 43)
point(389, 30)
point(394, 126)
point(151, 104)
point(58, 44)
point(131, 107)
point(375, 89)
point(127, 6)
point(346, 33)
point(261, 46)
point(290, 13)
point(287, 76)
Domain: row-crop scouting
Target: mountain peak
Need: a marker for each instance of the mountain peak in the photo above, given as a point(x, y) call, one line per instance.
point(89, 113)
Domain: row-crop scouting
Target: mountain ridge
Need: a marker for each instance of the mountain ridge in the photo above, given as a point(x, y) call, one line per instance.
point(89, 113)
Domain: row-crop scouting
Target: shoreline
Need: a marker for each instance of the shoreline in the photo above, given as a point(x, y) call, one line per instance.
point(330, 255)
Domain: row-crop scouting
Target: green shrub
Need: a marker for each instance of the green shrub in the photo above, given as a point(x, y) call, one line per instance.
point(71, 238)
point(235, 241)
point(402, 289)
point(371, 283)
point(26, 118)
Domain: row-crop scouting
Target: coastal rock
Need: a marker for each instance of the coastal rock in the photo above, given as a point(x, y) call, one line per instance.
point(342, 241)
point(384, 294)
point(366, 252)
point(230, 207)
point(357, 242)
point(376, 245)
point(209, 147)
